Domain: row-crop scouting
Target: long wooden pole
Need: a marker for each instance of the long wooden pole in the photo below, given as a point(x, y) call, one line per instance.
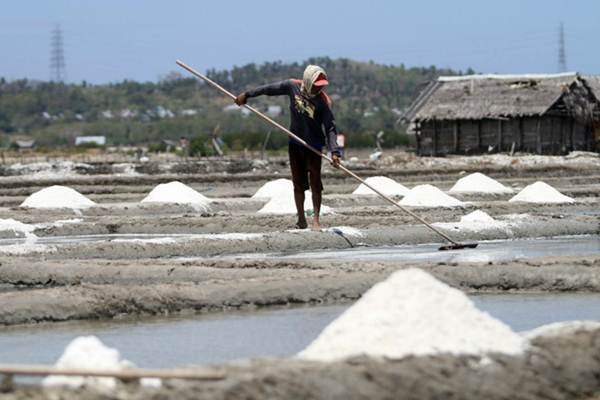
point(320, 154)
point(132, 373)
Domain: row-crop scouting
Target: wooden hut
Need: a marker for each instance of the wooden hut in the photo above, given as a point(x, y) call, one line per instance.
point(543, 114)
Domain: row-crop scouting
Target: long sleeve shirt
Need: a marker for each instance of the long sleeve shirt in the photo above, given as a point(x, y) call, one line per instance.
point(310, 119)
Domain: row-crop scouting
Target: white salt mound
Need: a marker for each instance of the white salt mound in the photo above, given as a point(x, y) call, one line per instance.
point(276, 188)
point(88, 352)
point(285, 204)
point(478, 217)
point(177, 192)
point(16, 226)
point(429, 196)
point(413, 314)
point(57, 197)
point(541, 192)
point(383, 184)
point(479, 183)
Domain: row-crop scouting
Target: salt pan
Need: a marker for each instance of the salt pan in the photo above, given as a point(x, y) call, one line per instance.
point(57, 197)
point(541, 192)
point(429, 196)
point(413, 314)
point(479, 183)
point(177, 193)
point(383, 184)
point(276, 188)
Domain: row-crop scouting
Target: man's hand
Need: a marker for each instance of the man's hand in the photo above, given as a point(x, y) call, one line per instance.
point(241, 99)
point(335, 160)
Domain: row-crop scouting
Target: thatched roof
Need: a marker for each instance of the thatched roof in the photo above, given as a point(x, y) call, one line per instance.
point(491, 96)
point(593, 82)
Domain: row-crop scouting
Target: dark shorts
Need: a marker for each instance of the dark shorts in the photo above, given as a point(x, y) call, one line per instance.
point(306, 168)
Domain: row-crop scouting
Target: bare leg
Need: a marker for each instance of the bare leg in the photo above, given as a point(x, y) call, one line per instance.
point(316, 199)
point(299, 199)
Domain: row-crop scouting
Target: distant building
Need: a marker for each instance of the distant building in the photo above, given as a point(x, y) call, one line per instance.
point(98, 140)
point(188, 112)
point(543, 114)
point(274, 111)
point(23, 144)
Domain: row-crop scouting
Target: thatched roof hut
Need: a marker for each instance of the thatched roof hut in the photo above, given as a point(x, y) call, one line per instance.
point(483, 113)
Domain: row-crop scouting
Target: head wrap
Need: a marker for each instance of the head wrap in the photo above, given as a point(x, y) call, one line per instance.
point(311, 73)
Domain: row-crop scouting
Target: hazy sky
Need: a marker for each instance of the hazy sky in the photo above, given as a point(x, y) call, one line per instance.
point(112, 40)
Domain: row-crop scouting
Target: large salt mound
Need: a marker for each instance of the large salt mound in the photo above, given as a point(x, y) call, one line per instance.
point(541, 192)
point(57, 197)
point(276, 188)
point(88, 352)
point(412, 313)
point(285, 204)
point(176, 192)
point(383, 184)
point(429, 196)
point(479, 183)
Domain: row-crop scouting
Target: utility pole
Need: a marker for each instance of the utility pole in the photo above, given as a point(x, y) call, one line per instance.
point(57, 56)
point(562, 57)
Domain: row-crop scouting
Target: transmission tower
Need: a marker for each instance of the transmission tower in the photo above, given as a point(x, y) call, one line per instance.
point(562, 57)
point(57, 56)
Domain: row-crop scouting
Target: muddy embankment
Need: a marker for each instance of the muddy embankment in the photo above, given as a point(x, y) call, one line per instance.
point(59, 290)
point(555, 367)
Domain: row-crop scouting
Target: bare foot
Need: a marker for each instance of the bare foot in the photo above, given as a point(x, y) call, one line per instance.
point(301, 224)
point(316, 226)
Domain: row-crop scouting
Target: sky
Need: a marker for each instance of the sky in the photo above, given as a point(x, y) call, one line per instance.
point(112, 40)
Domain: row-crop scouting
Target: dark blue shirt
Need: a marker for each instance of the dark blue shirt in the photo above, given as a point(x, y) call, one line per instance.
point(310, 119)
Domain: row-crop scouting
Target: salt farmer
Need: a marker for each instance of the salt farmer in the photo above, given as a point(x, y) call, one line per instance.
point(313, 122)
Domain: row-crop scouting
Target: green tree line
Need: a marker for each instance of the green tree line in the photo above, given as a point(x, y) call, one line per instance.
point(368, 97)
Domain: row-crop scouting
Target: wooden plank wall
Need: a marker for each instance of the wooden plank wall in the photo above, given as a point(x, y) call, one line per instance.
point(550, 134)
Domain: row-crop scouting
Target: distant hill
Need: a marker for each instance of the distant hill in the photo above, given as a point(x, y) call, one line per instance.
point(368, 97)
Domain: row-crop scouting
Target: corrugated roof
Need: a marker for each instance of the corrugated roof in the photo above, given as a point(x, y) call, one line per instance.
point(489, 96)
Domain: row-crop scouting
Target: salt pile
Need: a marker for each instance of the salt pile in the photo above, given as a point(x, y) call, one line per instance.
point(475, 221)
point(177, 193)
point(413, 314)
point(541, 192)
point(285, 204)
point(57, 197)
point(88, 352)
point(429, 196)
point(17, 227)
point(383, 184)
point(479, 183)
point(276, 188)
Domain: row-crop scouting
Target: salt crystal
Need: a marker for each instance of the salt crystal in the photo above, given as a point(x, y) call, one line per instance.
point(383, 184)
point(479, 183)
point(177, 193)
point(88, 352)
point(429, 196)
point(285, 204)
point(275, 188)
point(413, 314)
point(541, 192)
point(57, 197)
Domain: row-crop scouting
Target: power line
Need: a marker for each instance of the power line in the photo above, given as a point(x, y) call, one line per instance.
point(58, 71)
point(562, 57)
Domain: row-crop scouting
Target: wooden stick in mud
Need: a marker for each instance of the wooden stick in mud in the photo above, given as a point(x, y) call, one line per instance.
point(454, 245)
point(125, 374)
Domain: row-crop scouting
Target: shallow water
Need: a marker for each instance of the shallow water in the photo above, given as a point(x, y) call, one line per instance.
point(493, 251)
point(212, 338)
